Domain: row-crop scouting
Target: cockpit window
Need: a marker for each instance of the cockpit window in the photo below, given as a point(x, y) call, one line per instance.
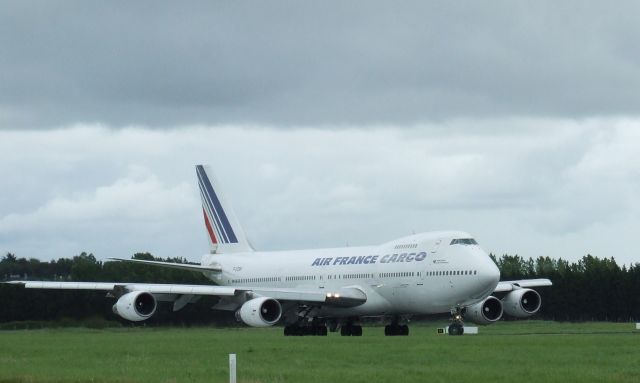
point(463, 241)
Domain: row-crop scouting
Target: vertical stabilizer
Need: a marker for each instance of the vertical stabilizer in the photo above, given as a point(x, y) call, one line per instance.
point(223, 230)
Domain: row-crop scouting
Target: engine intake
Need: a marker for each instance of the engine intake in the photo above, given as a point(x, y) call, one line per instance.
point(260, 312)
point(485, 312)
point(136, 306)
point(522, 303)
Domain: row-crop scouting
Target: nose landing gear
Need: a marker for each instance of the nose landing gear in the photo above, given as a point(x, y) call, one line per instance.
point(456, 327)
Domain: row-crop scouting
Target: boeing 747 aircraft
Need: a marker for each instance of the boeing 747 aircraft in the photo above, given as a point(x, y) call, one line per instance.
point(312, 291)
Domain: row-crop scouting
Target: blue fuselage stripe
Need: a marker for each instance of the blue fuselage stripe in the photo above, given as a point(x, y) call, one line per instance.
point(231, 236)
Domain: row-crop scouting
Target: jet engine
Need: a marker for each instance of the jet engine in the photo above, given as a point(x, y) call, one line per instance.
point(522, 303)
point(136, 306)
point(485, 312)
point(260, 312)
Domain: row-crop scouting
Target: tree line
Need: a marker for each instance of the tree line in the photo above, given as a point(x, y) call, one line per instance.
point(591, 289)
point(77, 307)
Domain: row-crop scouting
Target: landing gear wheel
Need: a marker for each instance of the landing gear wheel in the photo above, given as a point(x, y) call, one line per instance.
point(456, 329)
point(319, 330)
point(351, 330)
point(396, 329)
point(292, 330)
point(297, 330)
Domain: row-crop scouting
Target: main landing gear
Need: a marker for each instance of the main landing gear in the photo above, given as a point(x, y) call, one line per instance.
point(395, 328)
point(313, 330)
point(305, 323)
point(456, 327)
point(350, 329)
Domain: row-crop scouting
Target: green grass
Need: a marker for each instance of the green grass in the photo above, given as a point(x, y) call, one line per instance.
point(530, 351)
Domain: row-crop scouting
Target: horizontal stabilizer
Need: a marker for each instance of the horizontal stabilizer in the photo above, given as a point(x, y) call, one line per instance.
point(183, 266)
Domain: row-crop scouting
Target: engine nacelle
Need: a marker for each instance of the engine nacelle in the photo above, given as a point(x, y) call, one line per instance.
point(260, 312)
point(522, 303)
point(136, 306)
point(485, 312)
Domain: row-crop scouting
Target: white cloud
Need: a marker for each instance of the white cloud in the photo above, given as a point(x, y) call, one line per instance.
point(536, 187)
point(138, 197)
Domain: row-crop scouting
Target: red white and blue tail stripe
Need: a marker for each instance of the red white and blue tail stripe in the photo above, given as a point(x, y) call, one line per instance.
point(223, 229)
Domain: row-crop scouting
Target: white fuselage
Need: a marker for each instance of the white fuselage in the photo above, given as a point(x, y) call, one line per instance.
point(418, 274)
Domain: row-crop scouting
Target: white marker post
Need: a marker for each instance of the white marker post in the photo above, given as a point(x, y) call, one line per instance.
point(637, 326)
point(232, 368)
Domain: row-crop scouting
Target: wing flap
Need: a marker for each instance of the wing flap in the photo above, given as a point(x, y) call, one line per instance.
point(343, 297)
point(290, 294)
point(65, 285)
point(183, 289)
point(149, 287)
point(505, 286)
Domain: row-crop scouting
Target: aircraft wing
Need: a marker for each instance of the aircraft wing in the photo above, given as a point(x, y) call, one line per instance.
point(154, 288)
point(344, 297)
point(504, 286)
point(183, 266)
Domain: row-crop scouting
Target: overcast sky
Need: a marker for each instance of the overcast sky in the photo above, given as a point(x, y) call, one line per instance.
point(328, 123)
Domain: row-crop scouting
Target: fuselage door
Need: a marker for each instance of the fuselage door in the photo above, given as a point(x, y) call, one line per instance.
point(436, 246)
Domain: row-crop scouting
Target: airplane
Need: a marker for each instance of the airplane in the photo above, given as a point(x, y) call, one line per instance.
point(313, 291)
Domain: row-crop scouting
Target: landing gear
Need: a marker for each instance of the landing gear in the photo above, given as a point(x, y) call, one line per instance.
point(350, 329)
point(456, 327)
point(313, 330)
point(395, 329)
point(305, 323)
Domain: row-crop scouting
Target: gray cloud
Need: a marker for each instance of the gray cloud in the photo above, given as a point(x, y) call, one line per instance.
point(564, 190)
point(515, 121)
point(328, 63)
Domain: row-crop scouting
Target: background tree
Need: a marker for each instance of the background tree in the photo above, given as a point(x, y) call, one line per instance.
point(589, 289)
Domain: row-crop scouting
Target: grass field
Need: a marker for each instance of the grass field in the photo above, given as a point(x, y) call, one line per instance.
point(529, 351)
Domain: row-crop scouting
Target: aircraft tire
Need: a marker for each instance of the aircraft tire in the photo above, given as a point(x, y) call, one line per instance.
point(456, 329)
point(396, 330)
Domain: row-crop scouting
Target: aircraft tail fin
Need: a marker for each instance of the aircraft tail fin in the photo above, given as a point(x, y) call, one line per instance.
point(223, 229)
